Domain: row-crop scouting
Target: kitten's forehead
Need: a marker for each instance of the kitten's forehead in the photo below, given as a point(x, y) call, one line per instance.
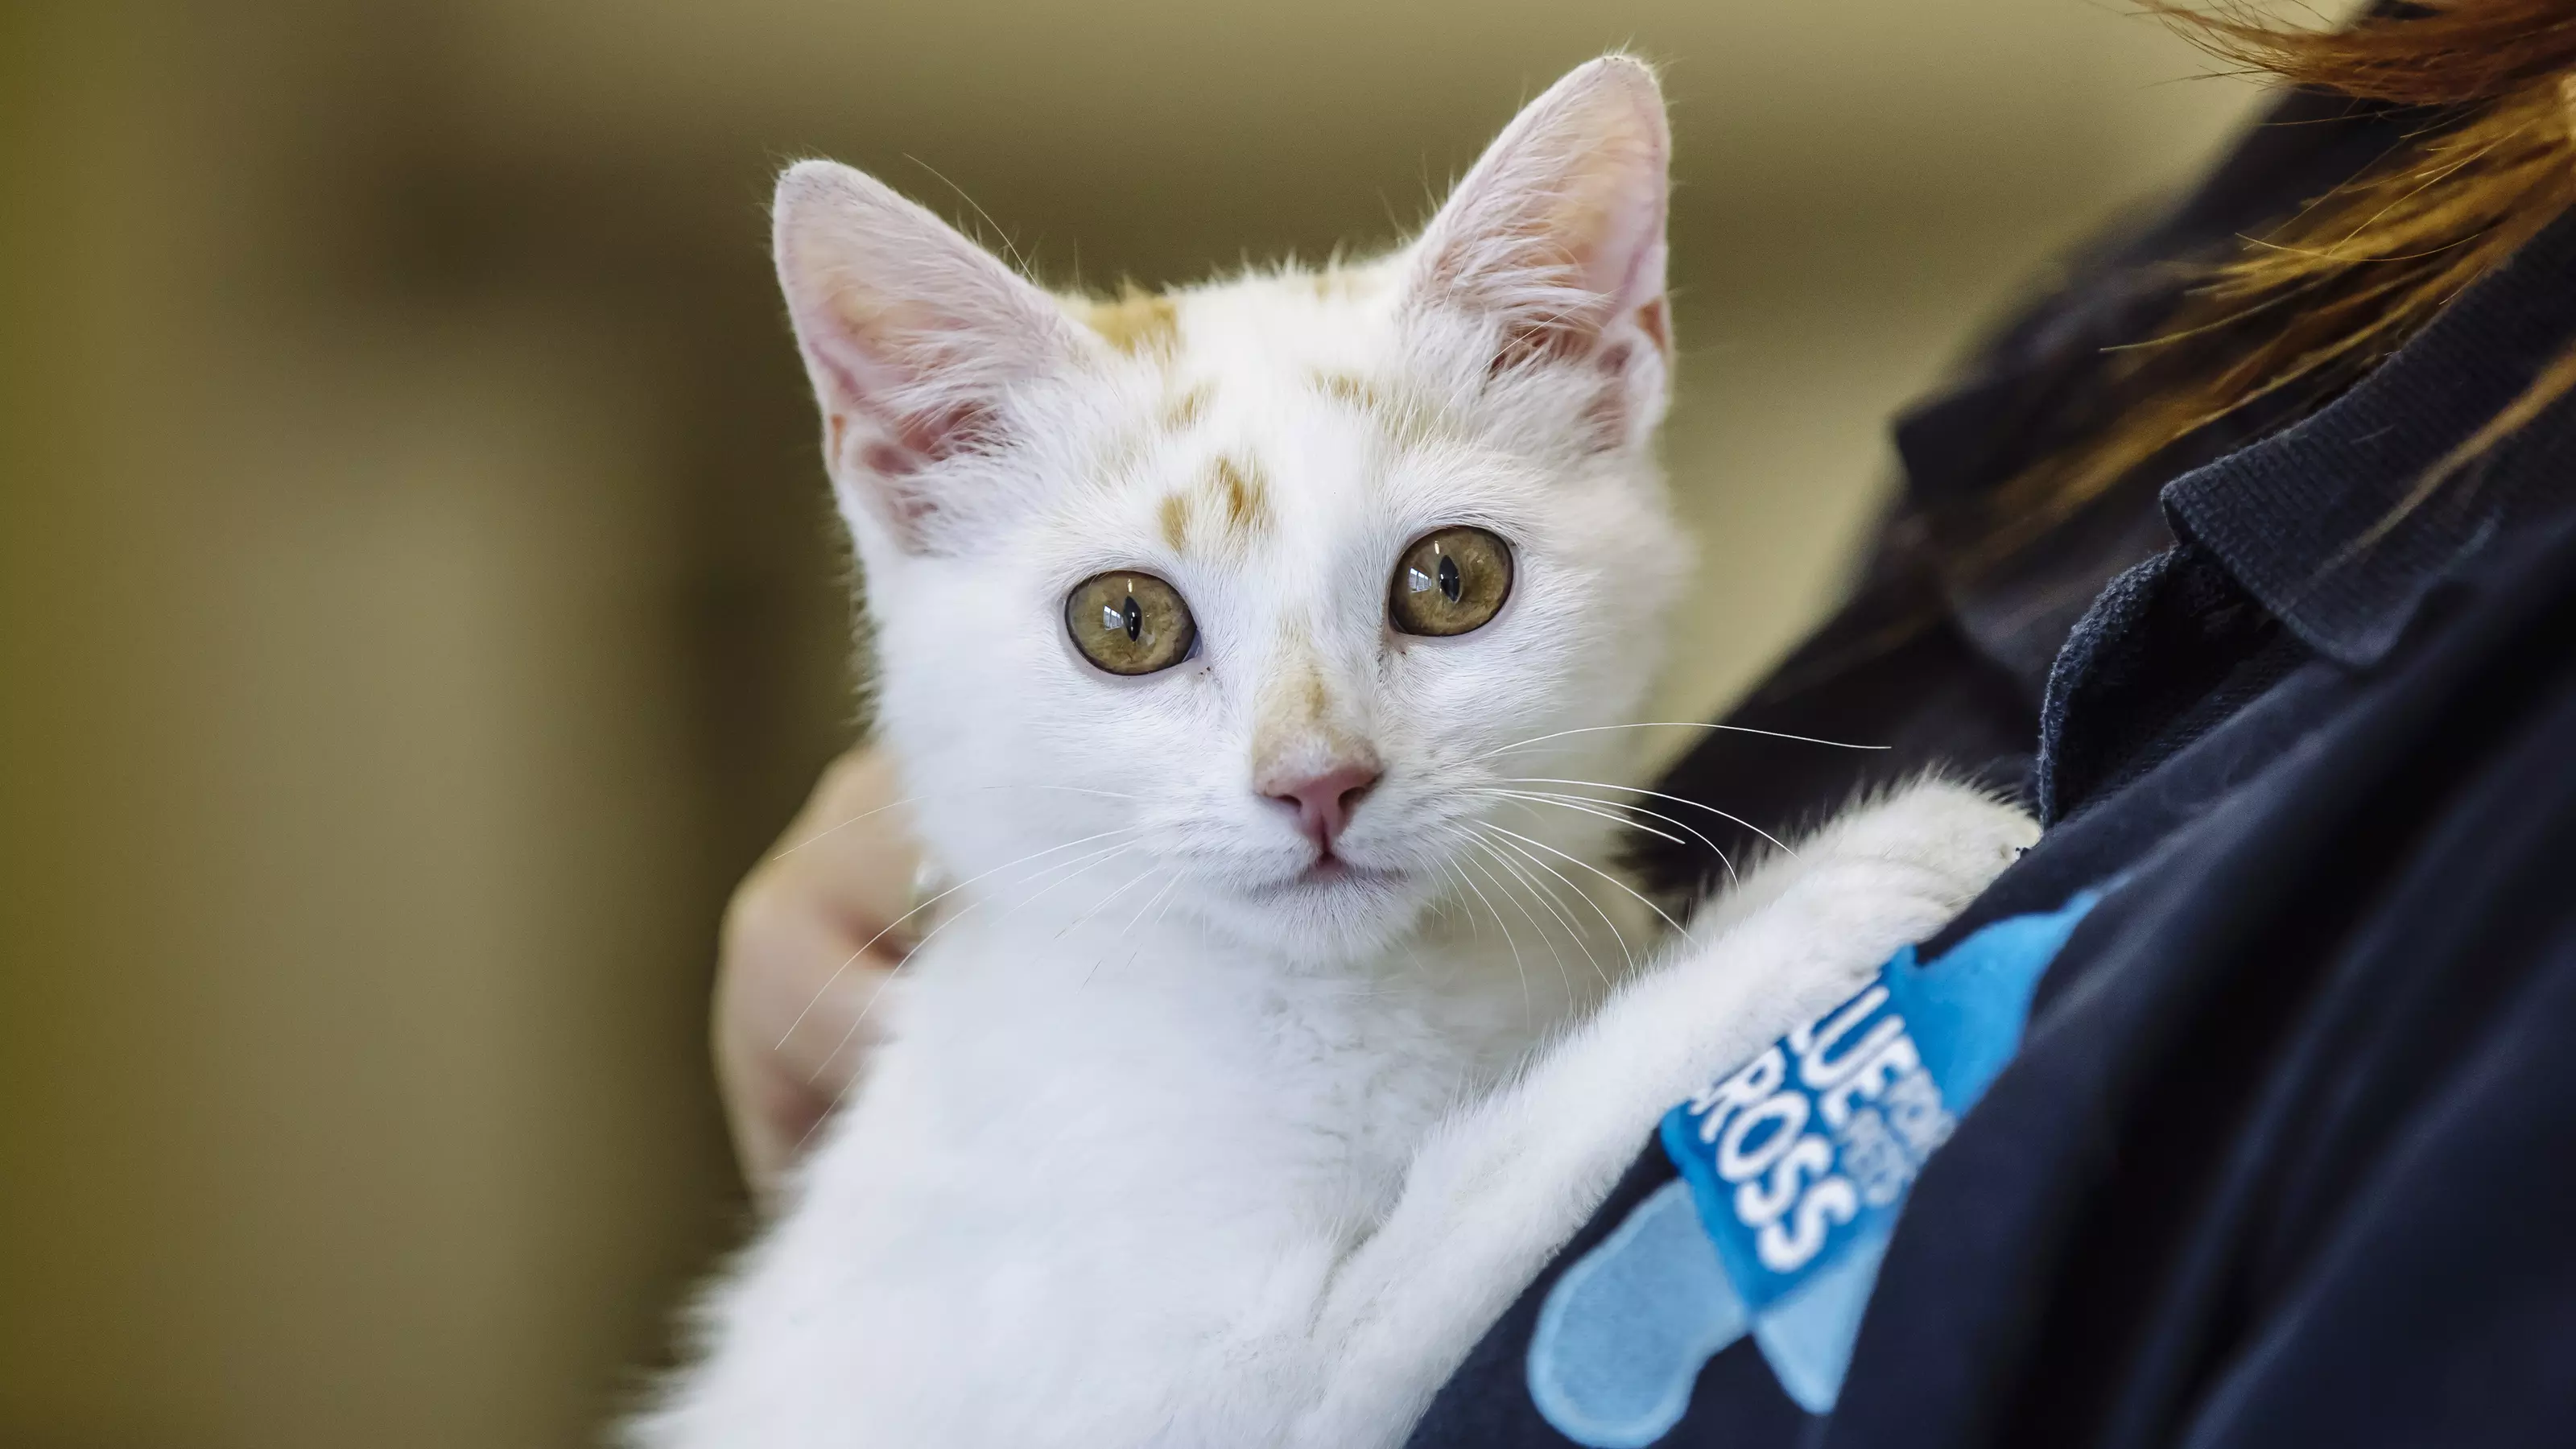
point(1233, 407)
point(1329, 316)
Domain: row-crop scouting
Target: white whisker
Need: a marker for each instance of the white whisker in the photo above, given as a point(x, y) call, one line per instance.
point(1662, 724)
point(871, 941)
point(1095, 858)
point(844, 825)
point(1584, 896)
point(1584, 802)
point(1544, 938)
point(1139, 878)
point(1528, 1011)
point(1547, 898)
point(1159, 897)
point(917, 799)
point(1154, 900)
point(1776, 841)
point(1475, 930)
point(1167, 905)
point(1587, 865)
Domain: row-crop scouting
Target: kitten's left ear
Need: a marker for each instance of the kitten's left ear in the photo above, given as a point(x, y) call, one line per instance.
point(1555, 240)
point(915, 338)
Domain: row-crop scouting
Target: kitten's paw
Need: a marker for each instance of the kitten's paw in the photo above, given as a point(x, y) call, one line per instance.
point(1953, 838)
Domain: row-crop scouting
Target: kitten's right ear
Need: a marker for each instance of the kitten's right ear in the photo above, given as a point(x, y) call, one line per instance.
point(914, 337)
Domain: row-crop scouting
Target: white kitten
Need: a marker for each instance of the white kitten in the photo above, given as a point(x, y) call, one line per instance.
point(1264, 1055)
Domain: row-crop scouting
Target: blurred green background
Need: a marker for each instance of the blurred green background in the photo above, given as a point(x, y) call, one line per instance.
point(418, 600)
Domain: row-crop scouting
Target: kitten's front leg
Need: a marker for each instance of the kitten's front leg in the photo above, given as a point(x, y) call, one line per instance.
point(1502, 1185)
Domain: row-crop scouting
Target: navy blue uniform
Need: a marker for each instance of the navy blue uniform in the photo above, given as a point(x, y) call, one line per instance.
point(2286, 1150)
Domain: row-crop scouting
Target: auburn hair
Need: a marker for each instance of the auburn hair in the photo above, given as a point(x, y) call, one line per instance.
point(2297, 313)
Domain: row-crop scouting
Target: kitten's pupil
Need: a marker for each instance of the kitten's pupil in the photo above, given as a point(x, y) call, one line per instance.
point(1134, 620)
point(1449, 585)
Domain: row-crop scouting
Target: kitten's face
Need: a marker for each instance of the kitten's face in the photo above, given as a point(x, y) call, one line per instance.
point(1234, 602)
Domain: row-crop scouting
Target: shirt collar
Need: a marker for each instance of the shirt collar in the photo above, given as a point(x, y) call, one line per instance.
point(2302, 519)
point(2053, 378)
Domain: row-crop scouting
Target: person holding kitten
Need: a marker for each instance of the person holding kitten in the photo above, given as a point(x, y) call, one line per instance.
point(2236, 1111)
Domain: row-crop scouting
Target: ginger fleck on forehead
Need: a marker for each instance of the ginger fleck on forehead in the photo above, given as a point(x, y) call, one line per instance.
point(1137, 322)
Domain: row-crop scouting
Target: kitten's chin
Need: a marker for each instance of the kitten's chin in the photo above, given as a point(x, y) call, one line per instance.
point(1333, 909)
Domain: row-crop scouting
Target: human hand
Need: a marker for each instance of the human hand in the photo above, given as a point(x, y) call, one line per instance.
point(805, 948)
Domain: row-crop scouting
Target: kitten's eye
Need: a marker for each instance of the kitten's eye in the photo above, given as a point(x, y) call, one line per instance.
point(1129, 623)
point(1450, 582)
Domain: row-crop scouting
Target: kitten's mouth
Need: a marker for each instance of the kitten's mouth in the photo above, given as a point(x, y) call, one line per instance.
point(1329, 871)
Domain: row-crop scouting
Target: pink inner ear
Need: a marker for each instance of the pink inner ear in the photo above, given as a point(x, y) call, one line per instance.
point(1605, 418)
point(888, 461)
point(893, 458)
point(914, 336)
point(1571, 329)
point(962, 426)
point(879, 380)
point(907, 445)
point(889, 451)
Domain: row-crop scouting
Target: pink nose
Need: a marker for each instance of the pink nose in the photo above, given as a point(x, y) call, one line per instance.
point(1324, 802)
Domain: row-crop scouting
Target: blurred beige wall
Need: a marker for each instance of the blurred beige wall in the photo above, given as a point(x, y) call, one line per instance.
point(417, 599)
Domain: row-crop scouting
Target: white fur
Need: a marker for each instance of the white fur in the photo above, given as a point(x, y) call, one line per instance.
point(1173, 1143)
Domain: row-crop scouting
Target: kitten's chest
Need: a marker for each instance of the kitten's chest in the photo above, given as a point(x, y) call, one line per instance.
point(1356, 1082)
point(1271, 1092)
point(1338, 1082)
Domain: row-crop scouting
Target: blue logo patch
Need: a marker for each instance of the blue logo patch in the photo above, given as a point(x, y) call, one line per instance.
point(1793, 1169)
